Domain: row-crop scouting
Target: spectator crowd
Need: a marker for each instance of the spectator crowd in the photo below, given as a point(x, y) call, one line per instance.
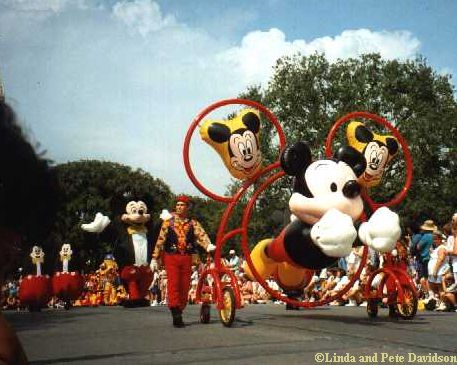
point(428, 254)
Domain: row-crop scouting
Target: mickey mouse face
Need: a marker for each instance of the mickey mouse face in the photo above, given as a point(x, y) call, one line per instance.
point(328, 177)
point(136, 213)
point(236, 141)
point(324, 184)
point(377, 149)
point(377, 156)
point(37, 252)
point(330, 185)
point(66, 250)
point(245, 150)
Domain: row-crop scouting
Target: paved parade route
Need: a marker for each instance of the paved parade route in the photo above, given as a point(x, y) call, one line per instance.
point(262, 334)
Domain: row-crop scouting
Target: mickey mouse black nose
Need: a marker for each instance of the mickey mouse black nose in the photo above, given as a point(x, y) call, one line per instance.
point(140, 212)
point(351, 189)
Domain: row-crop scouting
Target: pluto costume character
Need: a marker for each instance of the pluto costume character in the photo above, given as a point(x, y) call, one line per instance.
point(137, 253)
point(108, 275)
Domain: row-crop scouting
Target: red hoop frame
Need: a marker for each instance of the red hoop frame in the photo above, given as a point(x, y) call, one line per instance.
point(197, 120)
point(408, 160)
point(222, 237)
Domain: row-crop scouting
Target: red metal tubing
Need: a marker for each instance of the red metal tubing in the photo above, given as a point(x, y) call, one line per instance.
point(197, 120)
point(408, 160)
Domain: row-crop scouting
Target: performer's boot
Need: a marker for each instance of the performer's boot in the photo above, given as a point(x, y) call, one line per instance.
point(177, 317)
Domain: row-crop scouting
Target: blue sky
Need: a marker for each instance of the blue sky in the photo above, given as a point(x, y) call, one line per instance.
point(121, 80)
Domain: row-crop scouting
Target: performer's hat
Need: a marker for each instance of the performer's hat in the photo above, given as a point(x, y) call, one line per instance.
point(183, 199)
point(429, 225)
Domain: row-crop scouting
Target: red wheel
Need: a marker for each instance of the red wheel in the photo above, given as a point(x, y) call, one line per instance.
point(408, 308)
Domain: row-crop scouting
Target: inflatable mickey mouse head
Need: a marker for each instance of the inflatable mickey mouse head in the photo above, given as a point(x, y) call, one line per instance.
point(325, 204)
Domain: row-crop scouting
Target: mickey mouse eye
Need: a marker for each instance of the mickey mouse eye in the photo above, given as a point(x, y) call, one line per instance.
point(134, 211)
point(333, 187)
point(242, 148)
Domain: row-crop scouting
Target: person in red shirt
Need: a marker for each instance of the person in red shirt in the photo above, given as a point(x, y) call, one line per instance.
point(178, 238)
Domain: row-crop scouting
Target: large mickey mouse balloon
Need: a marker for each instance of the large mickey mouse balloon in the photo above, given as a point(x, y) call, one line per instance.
point(325, 204)
point(237, 142)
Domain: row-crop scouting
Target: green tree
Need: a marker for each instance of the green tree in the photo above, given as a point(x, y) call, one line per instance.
point(92, 186)
point(308, 94)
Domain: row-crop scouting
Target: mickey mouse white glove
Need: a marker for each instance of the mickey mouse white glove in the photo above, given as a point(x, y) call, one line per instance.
point(210, 247)
point(98, 225)
point(334, 233)
point(165, 215)
point(382, 230)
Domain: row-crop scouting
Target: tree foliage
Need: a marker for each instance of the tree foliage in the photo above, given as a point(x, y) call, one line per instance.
point(91, 186)
point(308, 94)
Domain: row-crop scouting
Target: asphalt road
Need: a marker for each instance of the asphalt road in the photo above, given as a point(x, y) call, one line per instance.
point(262, 334)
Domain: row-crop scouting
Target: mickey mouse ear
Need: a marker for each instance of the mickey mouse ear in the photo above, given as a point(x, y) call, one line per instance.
point(295, 158)
point(353, 158)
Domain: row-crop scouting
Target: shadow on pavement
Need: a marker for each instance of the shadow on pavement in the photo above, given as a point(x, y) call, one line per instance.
point(80, 358)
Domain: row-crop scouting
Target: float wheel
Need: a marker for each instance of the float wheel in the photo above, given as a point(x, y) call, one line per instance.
point(408, 308)
point(372, 308)
point(227, 313)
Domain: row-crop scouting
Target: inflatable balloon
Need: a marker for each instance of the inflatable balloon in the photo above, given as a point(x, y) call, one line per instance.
point(237, 142)
point(66, 285)
point(35, 290)
point(325, 204)
point(377, 149)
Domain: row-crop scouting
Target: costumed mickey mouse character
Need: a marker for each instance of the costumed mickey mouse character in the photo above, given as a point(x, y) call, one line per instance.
point(137, 253)
point(325, 204)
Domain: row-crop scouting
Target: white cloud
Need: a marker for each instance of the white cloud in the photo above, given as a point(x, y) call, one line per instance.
point(259, 50)
point(143, 16)
point(88, 89)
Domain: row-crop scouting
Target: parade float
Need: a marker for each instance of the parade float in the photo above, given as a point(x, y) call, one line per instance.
point(35, 290)
point(330, 198)
point(67, 285)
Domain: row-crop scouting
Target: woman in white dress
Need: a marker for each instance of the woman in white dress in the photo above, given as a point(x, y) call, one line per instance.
point(437, 266)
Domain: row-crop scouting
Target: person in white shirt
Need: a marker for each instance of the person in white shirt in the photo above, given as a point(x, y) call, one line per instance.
point(437, 266)
point(233, 261)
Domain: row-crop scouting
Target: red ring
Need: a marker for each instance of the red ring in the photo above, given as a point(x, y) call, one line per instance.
point(196, 121)
point(409, 164)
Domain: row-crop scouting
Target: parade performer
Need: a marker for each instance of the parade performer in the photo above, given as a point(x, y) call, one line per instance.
point(175, 245)
point(108, 279)
point(136, 253)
